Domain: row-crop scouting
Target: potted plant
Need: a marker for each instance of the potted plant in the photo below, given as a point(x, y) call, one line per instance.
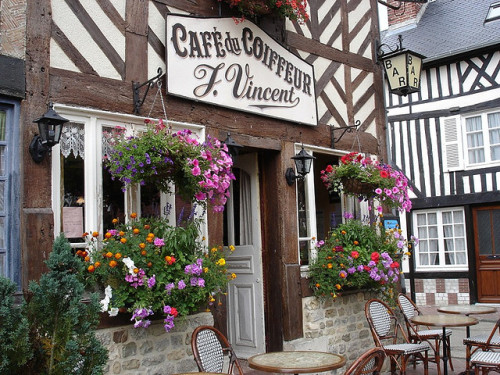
point(147, 267)
point(159, 156)
point(295, 10)
point(366, 178)
point(359, 256)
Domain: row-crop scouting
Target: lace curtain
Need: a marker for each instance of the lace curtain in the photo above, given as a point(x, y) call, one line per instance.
point(73, 140)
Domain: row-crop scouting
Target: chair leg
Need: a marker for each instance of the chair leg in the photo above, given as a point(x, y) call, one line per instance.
point(449, 353)
point(426, 363)
point(437, 356)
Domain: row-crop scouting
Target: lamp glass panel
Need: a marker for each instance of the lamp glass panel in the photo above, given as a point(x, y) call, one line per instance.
point(299, 165)
point(414, 69)
point(57, 132)
point(307, 166)
point(395, 69)
point(43, 130)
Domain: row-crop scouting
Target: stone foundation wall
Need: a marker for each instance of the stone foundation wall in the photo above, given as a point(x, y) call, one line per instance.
point(152, 351)
point(337, 326)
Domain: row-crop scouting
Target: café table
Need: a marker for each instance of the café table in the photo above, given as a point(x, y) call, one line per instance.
point(467, 310)
point(444, 320)
point(296, 362)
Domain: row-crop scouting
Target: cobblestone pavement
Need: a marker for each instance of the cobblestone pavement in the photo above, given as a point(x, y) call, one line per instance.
point(485, 325)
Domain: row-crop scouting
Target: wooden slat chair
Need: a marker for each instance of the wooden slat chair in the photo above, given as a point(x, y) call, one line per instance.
point(390, 336)
point(416, 334)
point(370, 362)
point(209, 346)
point(485, 361)
point(482, 342)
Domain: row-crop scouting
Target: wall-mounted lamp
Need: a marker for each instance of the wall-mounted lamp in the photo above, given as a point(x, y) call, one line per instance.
point(402, 68)
point(232, 147)
point(303, 163)
point(50, 128)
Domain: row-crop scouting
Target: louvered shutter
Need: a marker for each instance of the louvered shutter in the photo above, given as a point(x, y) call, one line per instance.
point(453, 157)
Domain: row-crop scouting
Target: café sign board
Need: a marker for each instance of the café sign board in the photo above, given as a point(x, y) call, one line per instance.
point(237, 65)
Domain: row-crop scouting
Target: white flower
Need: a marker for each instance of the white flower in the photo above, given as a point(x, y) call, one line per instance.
point(130, 265)
point(108, 293)
point(113, 311)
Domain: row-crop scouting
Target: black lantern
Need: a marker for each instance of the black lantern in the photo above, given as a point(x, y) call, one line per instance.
point(303, 162)
point(402, 68)
point(232, 147)
point(50, 129)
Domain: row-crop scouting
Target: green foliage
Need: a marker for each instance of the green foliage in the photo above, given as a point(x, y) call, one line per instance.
point(358, 256)
point(148, 266)
point(14, 329)
point(62, 325)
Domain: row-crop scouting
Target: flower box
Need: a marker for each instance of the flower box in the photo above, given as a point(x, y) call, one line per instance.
point(357, 186)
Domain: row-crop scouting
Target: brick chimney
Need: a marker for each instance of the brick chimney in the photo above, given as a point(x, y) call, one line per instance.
point(407, 14)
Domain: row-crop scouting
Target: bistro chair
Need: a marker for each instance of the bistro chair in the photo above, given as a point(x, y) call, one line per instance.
point(370, 362)
point(209, 346)
point(390, 336)
point(416, 334)
point(484, 342)
point(485, 361)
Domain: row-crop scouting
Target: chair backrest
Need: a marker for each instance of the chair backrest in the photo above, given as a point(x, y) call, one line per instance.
point(370, 362)
point(383, 322)
point(209, 346)
point(407, 306)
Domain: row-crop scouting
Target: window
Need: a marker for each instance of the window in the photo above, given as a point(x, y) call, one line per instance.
point(442, 242)
point(86, 198)
point(10, 258)
point(493, 12)
point(483, 138)
point(319, 211)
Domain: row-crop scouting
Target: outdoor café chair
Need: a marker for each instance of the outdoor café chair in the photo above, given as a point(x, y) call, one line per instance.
point(370, 362)
point(416, 334)
point(485, 361)
point(209, 346)
point(482, 342)
point(390, 336)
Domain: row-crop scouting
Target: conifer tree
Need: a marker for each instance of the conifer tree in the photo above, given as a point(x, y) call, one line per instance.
point(62, 325)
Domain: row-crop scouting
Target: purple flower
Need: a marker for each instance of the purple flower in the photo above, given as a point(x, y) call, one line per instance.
point(151, 282)
point(181, 284)
point(159, 242)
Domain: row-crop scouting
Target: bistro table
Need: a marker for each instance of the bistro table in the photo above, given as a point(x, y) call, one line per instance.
point(296, 362)
point(467, 310)
point(443, 320)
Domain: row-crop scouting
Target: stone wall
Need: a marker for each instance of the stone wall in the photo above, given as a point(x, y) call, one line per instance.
point(336, 326)
point(152, 351)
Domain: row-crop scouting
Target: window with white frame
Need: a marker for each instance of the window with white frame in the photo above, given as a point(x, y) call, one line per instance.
point(318, 210)
point(442, 240)
point(85, 197)
point(482, 138)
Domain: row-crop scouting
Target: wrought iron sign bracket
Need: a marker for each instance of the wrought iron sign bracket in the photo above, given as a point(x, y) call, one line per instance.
point(138, 102)
point(380, 51)
point(343, 129)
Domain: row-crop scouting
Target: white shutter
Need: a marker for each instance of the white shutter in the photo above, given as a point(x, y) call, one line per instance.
point(453, 158)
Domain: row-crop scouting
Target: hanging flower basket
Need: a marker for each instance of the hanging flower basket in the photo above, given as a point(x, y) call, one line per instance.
point(159, 157)
point(295, 10)
point(365, 178)
point(356, 186)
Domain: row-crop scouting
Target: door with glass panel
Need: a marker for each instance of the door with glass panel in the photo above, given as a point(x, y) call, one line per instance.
point(487, 245)
point(245, 302)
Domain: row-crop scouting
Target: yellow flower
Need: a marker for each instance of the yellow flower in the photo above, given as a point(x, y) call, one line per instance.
point(233, 276)
point(115, 221)
point(231, 247)
point(221, 262)
point(205, 269)
point(213, 249)
point(338, 286)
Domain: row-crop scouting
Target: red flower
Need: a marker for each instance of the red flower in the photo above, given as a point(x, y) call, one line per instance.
point(375, 256)
point(384, 174)
point(329, 169)
point(354, 254)
point(394, 265)
point(367, 269)
point(339, 249)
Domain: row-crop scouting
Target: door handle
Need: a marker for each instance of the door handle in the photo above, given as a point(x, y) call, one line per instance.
point(493, 257)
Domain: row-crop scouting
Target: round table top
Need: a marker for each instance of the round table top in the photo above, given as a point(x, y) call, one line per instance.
point(467, 309)
point(444, 320)
point(296, 362)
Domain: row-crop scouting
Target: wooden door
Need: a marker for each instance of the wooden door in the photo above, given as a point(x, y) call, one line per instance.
point(487, 245)
point(245, 302)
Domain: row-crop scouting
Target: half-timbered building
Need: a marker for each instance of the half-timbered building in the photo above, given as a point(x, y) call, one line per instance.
point(446, 138)
point(86, 57)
